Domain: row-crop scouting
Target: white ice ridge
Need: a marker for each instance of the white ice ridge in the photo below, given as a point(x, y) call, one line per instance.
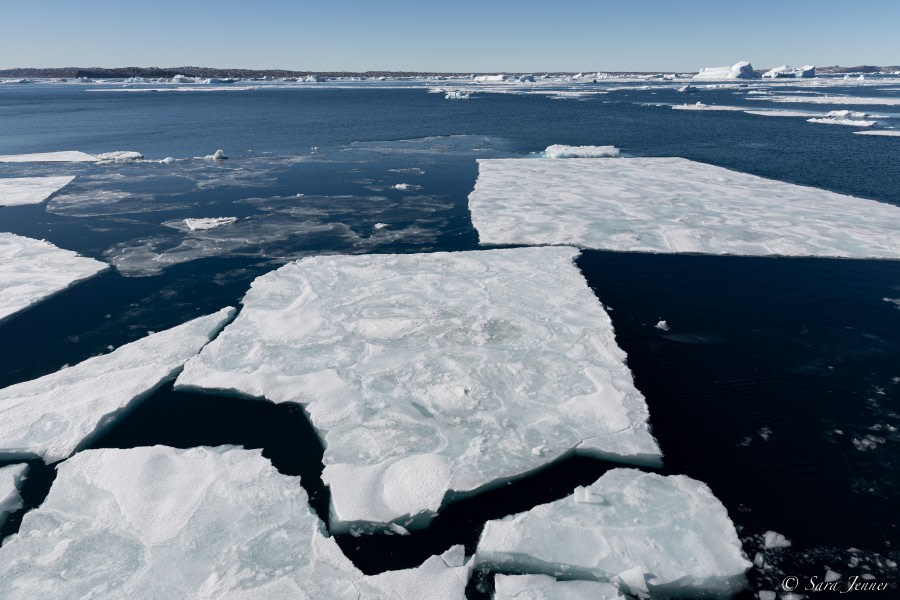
point(544, 587)
point(740, 70)
point(431, 373)
point(72, 156)
point(54, 415)
point(881, 132)
point(211, 523)
point(31, 270)
point(208, 223)
point(672, 205)
point(11, 478)
point(561, 151)
point(16, 191)
point(643, 532)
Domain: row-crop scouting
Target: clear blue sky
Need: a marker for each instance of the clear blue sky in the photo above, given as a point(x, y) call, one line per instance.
point(465, 35)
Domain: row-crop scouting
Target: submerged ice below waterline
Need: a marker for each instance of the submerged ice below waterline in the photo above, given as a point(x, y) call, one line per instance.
point(672, 205)
point(11, 477)
point(544, 587)
point(431, 373)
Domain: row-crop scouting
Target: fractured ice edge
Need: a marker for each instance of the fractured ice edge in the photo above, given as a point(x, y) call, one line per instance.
point(11, 477)
point(544, 587)
point(672, 205)
point(157, 522)
point(426, 374)
point(52, 416)
point(645, 533)
point(31, 270)
point(18, 191)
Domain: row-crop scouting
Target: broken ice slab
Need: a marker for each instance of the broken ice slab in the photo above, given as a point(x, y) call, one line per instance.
point(544, 587)
point(11, 477)
point(16, 191)
point(158, 522)
point(31, 270)
point(72, 156)
point(645, 533)
point(52, 416)
point(433, 373)
point(672, 205)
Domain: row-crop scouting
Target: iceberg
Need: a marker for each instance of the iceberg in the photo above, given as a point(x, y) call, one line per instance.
point(208, 223)
point(560, 151)
point(32, 270)
point(158, 522)
point(54, 415)
point(17, 191)
point(426, 374)
point(740, 70)
point(544, 587)
point(645, 533)
point(786, 71)
point(11, 478)
point(672, 205)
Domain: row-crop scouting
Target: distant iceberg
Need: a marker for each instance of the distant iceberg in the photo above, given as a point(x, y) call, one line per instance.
point(786, 71)
point(490, 78)
point(740, 70)
point(16, 191)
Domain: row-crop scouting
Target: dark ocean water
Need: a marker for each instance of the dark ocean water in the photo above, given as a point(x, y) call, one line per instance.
point(778, 383)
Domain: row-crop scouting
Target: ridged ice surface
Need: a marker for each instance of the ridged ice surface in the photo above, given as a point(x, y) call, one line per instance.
point(672, 205)
point(11, 477)
point(53, 415)
point(17, 191)
point(213, 523)
point(426, 373)
point(544, 587)
point(31, 270)
point(641, 531)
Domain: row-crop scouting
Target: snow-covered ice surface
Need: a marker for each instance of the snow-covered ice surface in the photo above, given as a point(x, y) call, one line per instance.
point(208, 223)
point(672, 205)
point(62, 156)
point(740, 70)
point(56, 414)
point(641, 531)
point(561, 151)
point(11, 477)
point(881, 132)
point(16, 191)
point(31, 270)
point(544, 587)
point(158, 522)
point(431, 373)
point(845, 117)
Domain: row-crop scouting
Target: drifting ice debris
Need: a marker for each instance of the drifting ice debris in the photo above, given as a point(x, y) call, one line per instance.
point(786, 71)
point(687, 88)
point(17, 191)
point(56, 414)
point(740, 70)
point(662, 326)
point(672, 205)
point(456, 95)
point(544, 587)
point(668, 536)
point(561, 151)
point(431, 373)
point(31, 270)
point(208, 223)
point(772, 539)
point(167, 160)
point(380, 226)
point(217, 155)
point(120, 156)
point(218, 523)
point(845, 117)
point(11, 478)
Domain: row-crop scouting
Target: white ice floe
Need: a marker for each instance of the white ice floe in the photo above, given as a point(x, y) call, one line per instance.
point(456, 95)
point(807, 71)
point(740, 70)
point(561, 151)
point(672, 205)
point(11, 478)
point(63, 156)
point(31, 270)
point(880, 132)
point(644, 532)
point(52, 416)
point(217, 155)
point(702, 106)
point(208, 223)
point(781, 113)
point(433, 373)
point(662, 326)
point(16, 191)
point(544, 587)
point(158, 522)
point(119, 156)
point(844, 100)
point(773, 539)
point(845, 117)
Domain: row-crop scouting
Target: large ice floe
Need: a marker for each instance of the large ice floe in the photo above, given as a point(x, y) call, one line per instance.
point(31, 270)
point(845, 117)
point(561, 151)
point(52, 416)
point(117, 156)
point(219, 523)
point(843, 100)
point(645, 533)
point(672, 205)
point(544, 587)
point(427, 374)
point(880, 132)
point(11, 478)
point(16, 191)
point(740, 70)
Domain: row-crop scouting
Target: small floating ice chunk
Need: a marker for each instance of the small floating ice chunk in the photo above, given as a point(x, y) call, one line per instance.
point(406, 187)
point(208, 223)
point(773, 539)
point(54, 415)
point(426, 373)
point(831, 575)
point(561, 151)
point(666, 535)
point(544, 587)
point(662, 326)
point(456, 95)
point(120, 156)
point(11, 478)
point(217, 155)
point(167, 160)
point(17, 191)
point(380, 226)
point(62, 156)
point(702, 106)
point(687, 88)
point(766, 595)
point(32, 270)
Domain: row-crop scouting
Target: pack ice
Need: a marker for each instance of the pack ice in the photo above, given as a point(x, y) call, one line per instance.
point(217, 523)
point(544, 587)
point(672, 205)
point(431, 373)
point(54, 415)
point(31, 270)
point(643, 532)
point(16, 191)
point(11, 477)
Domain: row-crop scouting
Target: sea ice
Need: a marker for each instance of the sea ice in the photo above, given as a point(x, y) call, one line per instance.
point(56, 414)
point(208, 223)
point(672, 205)
point(560, 151)
point(11, 477)
point(845, 117)
point(64, 156)
point(217, 155)
point(881, 132)
point(773, 539)
point(433, 373)
point(456, 95)
point(158, 522)
point(120, 156)
point(31, 270)
point(740, 70)
point(16, 191)
point(644, 532)
point(844, 100)
point(701, 106)
point(544, 587)
point(786, 71)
